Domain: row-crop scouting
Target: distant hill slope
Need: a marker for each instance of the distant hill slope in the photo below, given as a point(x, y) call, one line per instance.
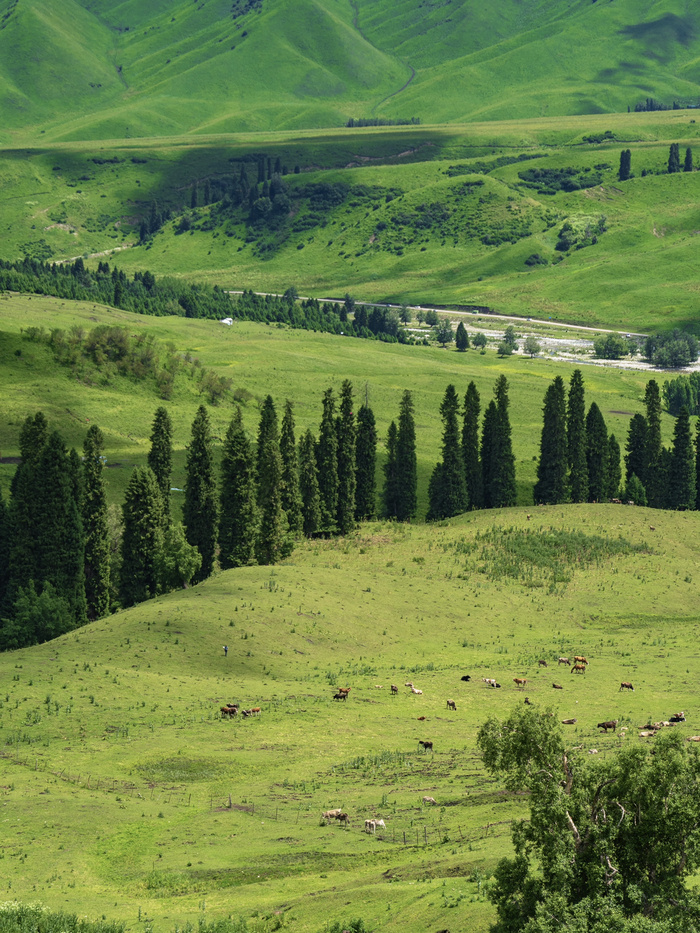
point(102, 68)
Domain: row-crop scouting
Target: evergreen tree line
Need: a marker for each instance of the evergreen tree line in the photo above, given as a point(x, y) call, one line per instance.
point(64, 560)
point(580, 462)
point(145, 294)
point(477, 468)
point(673, 165)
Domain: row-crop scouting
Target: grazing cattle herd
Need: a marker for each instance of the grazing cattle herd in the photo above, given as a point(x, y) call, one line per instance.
point(580, 665)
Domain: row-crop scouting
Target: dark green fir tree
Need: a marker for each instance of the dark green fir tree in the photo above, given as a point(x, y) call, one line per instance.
point(551, 485)
point(366, 464)
point(596, 454)
point(652, 481)
point(390, 491)
point(614, 468)
point(160, 456)
point(470, 448)
point(142, 538)
point(502, 478)
point(95, 526)
point(327, 465)
point(681, 488)
point(576, 439)
point(674, 159)
point(200, 509)
point(291, 497)
point(406, 461)
point(268, 430)
point(308, 485)
point(238, 512)
point(274, 540)
point(625, 165)
point(688, 161)
point(347, 453)
point(489, 445)
point(447, 493)
point(462, 338)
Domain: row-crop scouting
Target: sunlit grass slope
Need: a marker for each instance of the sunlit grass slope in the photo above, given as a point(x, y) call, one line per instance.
point(84, 69)
point(124, 794)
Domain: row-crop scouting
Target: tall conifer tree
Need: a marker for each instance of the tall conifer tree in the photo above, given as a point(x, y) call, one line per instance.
point(551, 486)
point(291, 497)
point(58, 533)
point(274, 541)
point(391, 479)
point(576, 439)
point(200, 512)
point(96, 526)
point(614, 468)
point(503, 491)
point(366, 457)
point(327, 464)
point(406, 461)
point(448, 488)
point(160, 456)
point(596, 454)
point(268, 430)
point(142, 539)
point(655, 491)
point(470, 448)
point(308, 485)
point(682, 490)
point(489, 446)
point(347, 442)
point(238, 513)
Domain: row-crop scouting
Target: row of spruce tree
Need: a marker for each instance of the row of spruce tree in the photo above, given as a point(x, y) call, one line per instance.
point(64, 562)
point(580, 462)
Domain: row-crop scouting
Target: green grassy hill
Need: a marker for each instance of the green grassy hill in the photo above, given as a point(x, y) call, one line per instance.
point(126, 796)
point(99, 69)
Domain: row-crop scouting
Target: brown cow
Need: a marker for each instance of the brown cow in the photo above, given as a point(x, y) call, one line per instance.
point(344, 690)
point(542, 663)
point(626, 685)
point(563, 661)
point(452, 705)
point(578, 669)
point(394, 689)
point(340, 696)
point(426, 745)
point(579, 659)
point(520, 682)
point(610, 724)
point(557, 686)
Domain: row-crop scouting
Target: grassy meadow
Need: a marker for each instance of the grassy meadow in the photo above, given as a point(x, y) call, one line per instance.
point(125, 795)
point(285, 363)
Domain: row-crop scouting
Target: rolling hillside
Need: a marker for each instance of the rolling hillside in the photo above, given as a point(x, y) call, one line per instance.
point(80, 69)
point(126, 795)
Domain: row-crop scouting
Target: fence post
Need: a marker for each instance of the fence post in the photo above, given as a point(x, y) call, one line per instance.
point(230, 803)
point(404, 837)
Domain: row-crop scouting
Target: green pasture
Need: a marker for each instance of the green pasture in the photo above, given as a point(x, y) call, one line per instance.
point(88, 199)
point(125, 795)
point(285, 363)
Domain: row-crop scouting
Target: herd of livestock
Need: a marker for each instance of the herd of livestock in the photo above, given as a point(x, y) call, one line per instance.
point(579, 666)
